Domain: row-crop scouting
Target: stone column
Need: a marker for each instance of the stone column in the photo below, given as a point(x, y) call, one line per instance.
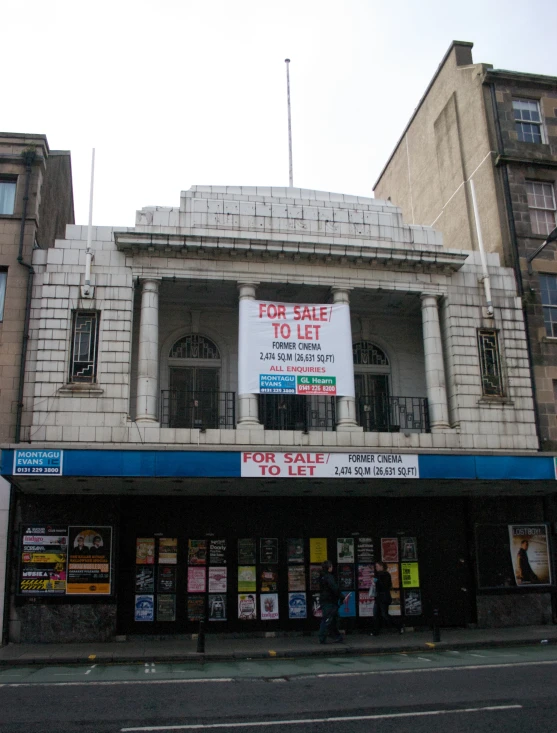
point(346, 406)
point(248, 406)
point(148, 362)
point(434, 366)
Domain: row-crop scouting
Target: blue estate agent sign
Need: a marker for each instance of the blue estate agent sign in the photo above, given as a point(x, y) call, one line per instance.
point(38, 462)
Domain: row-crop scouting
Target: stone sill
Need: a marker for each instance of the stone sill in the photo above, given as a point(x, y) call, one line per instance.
point(82, 390)
point(496, 401)
point(549, 340)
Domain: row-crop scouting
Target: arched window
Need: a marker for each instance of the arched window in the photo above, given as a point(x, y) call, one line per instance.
point(371, 380)
point(367, 354)
point(194, 399)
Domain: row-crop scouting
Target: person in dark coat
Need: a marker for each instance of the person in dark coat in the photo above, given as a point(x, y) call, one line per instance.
point(382, 585)
point(330, 598)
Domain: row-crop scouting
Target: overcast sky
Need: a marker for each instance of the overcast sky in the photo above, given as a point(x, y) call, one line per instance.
point(175, 92)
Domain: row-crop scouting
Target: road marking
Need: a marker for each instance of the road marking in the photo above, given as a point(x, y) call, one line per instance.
point(343, 719)
point(483, 656)
point(424, 659)
point(90, 668)
point(117, 682)
point(151, 669)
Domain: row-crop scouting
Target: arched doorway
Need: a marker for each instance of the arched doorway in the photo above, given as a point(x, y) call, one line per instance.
point(193, 399)
point(372, 372)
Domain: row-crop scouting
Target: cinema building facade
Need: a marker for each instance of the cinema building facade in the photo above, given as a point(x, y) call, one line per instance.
point(236, 389)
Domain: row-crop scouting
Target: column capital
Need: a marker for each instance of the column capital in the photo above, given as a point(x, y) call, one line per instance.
point(341, 294)
point(247, 290)
point(150, 283)
point(425, 294)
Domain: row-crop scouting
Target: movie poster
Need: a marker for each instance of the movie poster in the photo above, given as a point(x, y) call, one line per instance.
point(247, 606)
point(269, 606)
point(217, 579)
point(197, 552)
point(144, 579)
point(43, 560)
point(316, 611)
point(394, 608)
point(217, 607)
point(314, 573)
point(295, 550)
point(409, 548)
point(166, 607)
point(297, 578)
point(345, 577)
point(365, 604)
point(366, 573)
point(345, 549)
point(196, 608)
point(168, 550)
point(268, 548)
point(529, 546)
point(144, 608)
point(392, 569)
point(246, 551)
point(412, 603)
point(145, 551)
point(348, 606)
point(166, 579)
point(247, 578)
point(389, 549)
point(268, 579)
point(89, 562)
point(366, 553)
point(410, 574)
point(317, 549)
point(196, 580)
point(217, 552)
point(297, 605)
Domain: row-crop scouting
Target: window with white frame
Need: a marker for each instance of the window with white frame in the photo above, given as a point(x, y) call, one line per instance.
point(7, 195)
point(490, 363)
point(541, 202)
point(3, 280)
point(85, 343)
point(528, 120)
point(548, 289)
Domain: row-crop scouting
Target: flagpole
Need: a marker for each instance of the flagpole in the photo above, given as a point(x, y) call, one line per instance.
point(290, 170)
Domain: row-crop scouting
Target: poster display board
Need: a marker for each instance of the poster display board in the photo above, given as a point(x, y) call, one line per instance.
point(247, 578)
point(144, 608)
point(529, 547)
point(410, 575)
point(295, 550)
point(268, 550)
point(43, 560)
point(89, 561)
point(317, 549)
point(145, 551)
point(197, 552)
point(247, 606)
point(217, 579)
point(217, 552)
point(269, 606)
point(287, 348)
point(144, 579)
point(166, 579)
point(217, 607)
point(166, 607)
point(345, 549)
point(297, 605)
point(389, 549)
point(168, 550)
point(196, 580)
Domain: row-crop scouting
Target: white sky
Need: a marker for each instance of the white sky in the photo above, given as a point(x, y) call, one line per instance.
point(175, 92)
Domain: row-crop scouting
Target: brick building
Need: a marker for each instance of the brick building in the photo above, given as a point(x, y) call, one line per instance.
point(497, 128)
point(36, 203)
point(176, 467)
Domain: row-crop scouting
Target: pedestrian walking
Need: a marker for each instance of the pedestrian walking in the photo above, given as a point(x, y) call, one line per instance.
point(330, 598)
point(381, 590)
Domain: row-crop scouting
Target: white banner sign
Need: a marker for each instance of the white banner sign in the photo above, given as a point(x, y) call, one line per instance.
point(329, 465)
point(295, 349)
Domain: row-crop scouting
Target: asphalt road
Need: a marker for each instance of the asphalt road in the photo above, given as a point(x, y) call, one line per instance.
point(485, 690)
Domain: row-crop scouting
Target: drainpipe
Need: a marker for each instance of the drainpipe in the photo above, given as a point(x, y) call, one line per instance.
point(485, 277)
point(29, 156)
point(499, 148)
point(87, 291)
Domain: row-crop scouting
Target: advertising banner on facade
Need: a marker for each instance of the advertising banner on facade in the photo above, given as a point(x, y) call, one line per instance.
point(288, 348)
point(89, 561)
point(529, 545)
point(38, 462)
point(260, 464)
point(43, 560)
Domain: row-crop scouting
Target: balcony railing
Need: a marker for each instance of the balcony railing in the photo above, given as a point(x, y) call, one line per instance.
point(203, 410)
point(296, 412)
point(383, 414)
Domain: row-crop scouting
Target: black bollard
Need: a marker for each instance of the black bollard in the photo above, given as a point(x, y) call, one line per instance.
point(436, 634)
point(201, 638)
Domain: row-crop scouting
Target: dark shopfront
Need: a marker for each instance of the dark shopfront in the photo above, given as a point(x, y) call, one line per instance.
point(173, 536)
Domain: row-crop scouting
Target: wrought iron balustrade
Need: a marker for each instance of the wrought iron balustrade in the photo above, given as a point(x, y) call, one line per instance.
point(297, 412)
point(388, 414)
point(203, 409)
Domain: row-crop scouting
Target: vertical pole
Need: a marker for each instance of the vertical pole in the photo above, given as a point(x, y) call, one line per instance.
point(290, 170)
point(90, 226)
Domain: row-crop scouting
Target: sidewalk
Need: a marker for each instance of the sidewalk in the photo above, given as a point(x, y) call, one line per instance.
point(219, 648)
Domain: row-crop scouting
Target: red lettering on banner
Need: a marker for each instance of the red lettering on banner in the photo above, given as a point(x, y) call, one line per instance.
point(270, 310)
point(311, 313)
point(308, 332)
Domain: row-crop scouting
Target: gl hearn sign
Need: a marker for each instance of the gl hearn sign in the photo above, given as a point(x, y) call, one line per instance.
point(38, 462)
point(287, 348)
point(329, 465)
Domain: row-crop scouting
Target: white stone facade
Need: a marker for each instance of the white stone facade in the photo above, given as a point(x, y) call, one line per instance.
point(181, 271)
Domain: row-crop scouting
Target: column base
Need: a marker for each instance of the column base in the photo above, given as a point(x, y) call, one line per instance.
point(152, 422)
point(349, 427)
point(248, 422)
point(440, 427)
